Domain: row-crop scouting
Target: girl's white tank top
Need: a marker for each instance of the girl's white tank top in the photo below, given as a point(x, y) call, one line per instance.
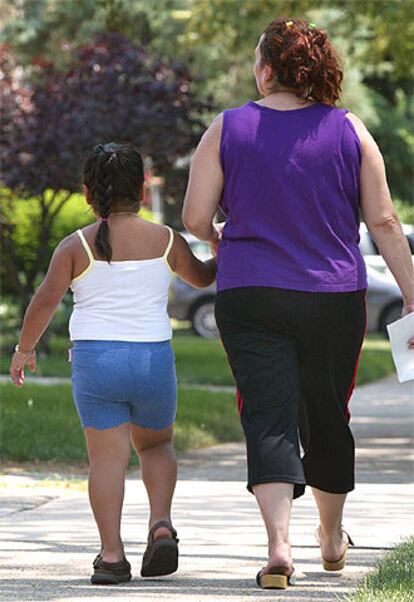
point(122, 300)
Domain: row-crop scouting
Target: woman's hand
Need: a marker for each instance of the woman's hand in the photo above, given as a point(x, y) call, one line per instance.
point(408, 309)
point(19, 361)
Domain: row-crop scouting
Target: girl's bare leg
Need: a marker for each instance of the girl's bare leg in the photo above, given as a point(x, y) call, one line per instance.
point(159, 472)
point(109, 452)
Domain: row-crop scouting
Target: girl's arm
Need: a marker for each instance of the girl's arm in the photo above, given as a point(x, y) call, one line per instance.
point(205, 184)
point(41, 309)
point(186, 265)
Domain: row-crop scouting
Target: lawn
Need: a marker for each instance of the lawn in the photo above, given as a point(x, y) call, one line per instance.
point(392, 580)
point(39, 423)
point(198, 360)
point(204, 362)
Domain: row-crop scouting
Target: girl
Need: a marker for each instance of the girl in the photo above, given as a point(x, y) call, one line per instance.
point(123, 374)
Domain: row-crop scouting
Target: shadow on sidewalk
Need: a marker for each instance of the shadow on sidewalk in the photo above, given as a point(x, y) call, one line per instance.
point(197, 584)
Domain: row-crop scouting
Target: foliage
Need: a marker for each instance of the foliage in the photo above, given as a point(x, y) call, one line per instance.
point(114, 91)
point(392, 580)
point(375, 39)
point(24, 213)
point(393, 131)
point(405, 212)
point(42, 423)
point(52, 29)
point(381, 31)
point(117, 86)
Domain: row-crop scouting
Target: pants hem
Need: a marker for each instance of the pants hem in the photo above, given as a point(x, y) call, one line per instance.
point(264, 481)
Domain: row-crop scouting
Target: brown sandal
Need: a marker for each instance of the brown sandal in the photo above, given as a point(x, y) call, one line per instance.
point(161, 555)
point(110, 573)
point(278, 577)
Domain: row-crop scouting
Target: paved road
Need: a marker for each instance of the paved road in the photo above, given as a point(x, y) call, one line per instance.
point(49, 538)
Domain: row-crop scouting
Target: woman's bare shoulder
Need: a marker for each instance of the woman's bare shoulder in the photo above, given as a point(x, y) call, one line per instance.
point(359, 126)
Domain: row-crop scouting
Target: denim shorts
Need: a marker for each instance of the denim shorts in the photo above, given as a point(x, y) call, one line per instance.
point(115, 382)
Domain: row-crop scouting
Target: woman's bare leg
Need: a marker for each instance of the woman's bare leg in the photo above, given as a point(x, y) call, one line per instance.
point(330, 506)
point(275, 503)
point(109, 452)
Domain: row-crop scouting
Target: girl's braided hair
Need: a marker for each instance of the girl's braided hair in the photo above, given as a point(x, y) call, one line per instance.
point(114, 175)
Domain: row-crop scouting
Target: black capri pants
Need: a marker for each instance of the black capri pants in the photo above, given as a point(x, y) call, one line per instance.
point(294, 356)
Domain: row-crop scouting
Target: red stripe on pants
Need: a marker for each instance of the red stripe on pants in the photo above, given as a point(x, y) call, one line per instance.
point(352, 386)
point(239, 401)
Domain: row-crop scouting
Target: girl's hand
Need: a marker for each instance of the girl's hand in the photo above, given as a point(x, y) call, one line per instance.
point(219, 229)
point(214, 242)
point(19, 361)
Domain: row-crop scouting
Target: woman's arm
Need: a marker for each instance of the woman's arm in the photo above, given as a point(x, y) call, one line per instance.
point(205, 184)
point(380, 215)
point(186, 265)
point(41, 309)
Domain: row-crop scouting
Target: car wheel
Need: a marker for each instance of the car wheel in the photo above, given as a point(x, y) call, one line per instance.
point(390, 314)
point(204, 321)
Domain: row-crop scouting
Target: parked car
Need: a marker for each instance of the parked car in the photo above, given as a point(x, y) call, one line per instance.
point(194, 304)
point(384, 301)
point(370, 250)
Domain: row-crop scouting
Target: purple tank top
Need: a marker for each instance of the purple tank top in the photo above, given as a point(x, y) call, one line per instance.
point(291, 198)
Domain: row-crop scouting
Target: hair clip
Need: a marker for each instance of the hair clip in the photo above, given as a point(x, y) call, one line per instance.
point(311, 26)
point(289, 24)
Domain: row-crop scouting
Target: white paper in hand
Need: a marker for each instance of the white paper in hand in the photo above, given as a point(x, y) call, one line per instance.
point(399, 332)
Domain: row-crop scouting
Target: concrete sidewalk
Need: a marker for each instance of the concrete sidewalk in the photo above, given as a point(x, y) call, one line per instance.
point(49, 538)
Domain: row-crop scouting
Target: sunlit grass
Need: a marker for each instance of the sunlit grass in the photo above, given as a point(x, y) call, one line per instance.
point(392, 580)
point(201, 361)
point(40, 423)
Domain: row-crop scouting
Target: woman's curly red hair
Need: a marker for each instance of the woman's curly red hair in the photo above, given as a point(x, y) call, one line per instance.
point(303, 59)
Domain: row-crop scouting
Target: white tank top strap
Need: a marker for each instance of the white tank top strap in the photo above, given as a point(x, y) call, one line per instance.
point(90, 256)
point(86, 246)
point(170, 242)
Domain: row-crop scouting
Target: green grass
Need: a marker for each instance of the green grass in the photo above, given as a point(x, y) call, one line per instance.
point(39, 423)
point(392, 580)
point(376, 360)
point(201, 361)
point(204, 362)
point(198, 360)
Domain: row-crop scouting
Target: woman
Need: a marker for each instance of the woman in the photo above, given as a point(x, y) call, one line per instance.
point(291, 172)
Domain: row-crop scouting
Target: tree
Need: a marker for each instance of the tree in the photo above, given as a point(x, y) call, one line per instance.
point(52, 29)
point(375, 37)
point(376, 40)
point(114, 91)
